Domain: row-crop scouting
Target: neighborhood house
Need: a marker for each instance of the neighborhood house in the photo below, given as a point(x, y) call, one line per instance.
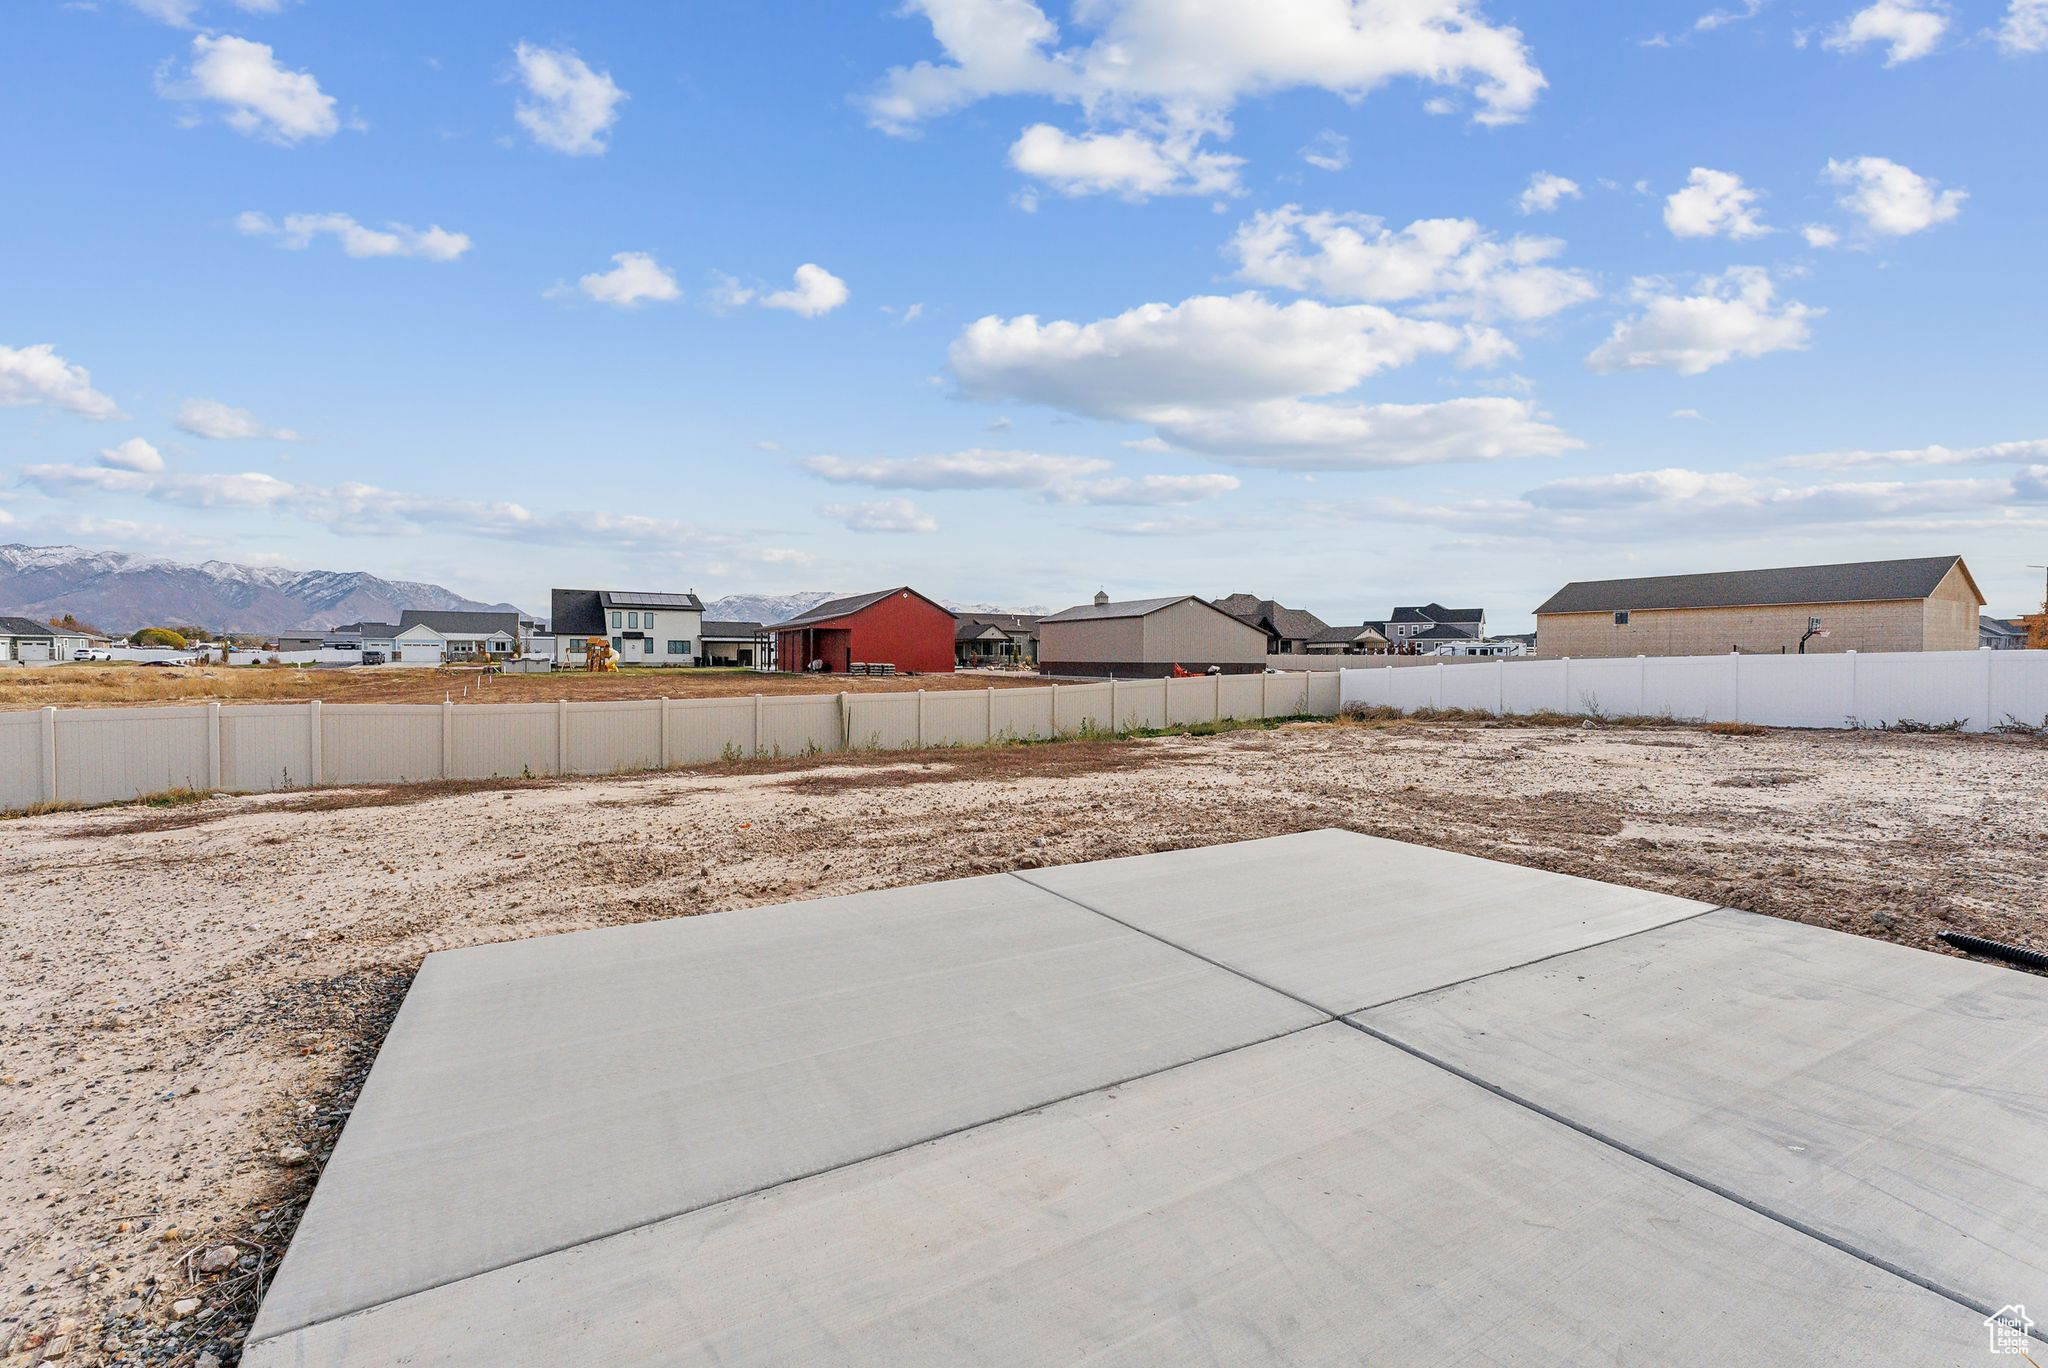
point(999, 639)
point(1148, 638)
point(641, 628)
point(898, 628)
point(28, 641)
point(1929, 604)
point(429, 636)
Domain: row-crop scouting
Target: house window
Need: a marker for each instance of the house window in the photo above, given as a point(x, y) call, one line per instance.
point(679, 648)
point(618, 644)
point(1621, 618)
point(576, 646)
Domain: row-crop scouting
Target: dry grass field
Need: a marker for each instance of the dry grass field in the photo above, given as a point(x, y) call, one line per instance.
point(195, 992)
point(122, 685)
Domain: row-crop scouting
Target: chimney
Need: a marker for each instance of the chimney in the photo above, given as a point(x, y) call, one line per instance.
point(1101, 599)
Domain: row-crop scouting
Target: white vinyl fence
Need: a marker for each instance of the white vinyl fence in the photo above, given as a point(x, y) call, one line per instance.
point(1980, 689)
point(107, 755)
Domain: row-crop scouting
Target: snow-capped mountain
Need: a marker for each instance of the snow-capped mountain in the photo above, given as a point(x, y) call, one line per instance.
point(769, 609)
point(119, 592)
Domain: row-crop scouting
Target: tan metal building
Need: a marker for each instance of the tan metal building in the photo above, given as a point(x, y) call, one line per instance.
point(1146, 638)
point(1929, 604)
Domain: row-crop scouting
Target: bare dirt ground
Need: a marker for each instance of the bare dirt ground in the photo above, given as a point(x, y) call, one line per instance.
point(124, 685)
point(193, 994)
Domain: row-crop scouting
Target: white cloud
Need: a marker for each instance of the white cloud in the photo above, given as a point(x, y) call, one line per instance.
point(1662, 504)
point(1820, 235)
point(1231, 377)
point(1721, 18)
point(212, 419)
point(1129, 163)
point(1892, 200)
point(1331, 150)
point(817, 291)
point(1152, 78)
point(635, 278)
point(1061, 479)
point(133, 454)
point(972, 469)
point(1545, 192)
point(2025, 29)
point(1713, 204)
point(1449, 266)
point(881, 515)
point(1910, 29)
point(1736, 314)
point(1192, 55)
point(37, 375)
point(1689, 415)
point(1997, 453)
point(1146, 491)
point(297, 231)
point(356, 509)
point(1152, 446)
point(261, 98)
point(180, 13)
point(571, 108)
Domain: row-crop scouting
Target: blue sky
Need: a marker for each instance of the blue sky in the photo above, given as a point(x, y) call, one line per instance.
point(1345, 302)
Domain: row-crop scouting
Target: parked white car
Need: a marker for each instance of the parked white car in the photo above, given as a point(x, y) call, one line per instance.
point(91, 653)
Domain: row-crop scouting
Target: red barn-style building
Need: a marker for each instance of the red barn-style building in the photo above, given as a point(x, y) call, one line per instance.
point(899, 627)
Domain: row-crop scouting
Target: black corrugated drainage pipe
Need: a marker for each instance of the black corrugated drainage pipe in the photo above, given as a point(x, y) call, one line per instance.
point(2016, 954)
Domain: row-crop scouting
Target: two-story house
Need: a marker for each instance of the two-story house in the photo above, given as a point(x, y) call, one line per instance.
point(643, 628)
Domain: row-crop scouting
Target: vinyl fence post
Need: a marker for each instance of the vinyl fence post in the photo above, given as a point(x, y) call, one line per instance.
point(447, 738)
point(1216, 694)
point(661, 756)
point(1984, 654)
point(1500, 687)
point(49, 730)
point(1849, 708)
point(562, 736)
point(1112, 703)
point(988, 725)
point(1440, 668)
point(757, 724)
point(920, 719)
point(1265, 694)
point(212, 746)
point(316, 765)
point(846, 722)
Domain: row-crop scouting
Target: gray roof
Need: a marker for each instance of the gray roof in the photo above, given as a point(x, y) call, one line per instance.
point(1347, 635)
point(620, 598)
point(26, 627)
point(975, 629)
point(1290, 624)
point(1999, 626)
point(1858, 582)
point(461, 623)
point(367, 629)
point(1129, 608)
point(842, 607)
point(718, 631)
point(1009, 622)
point(1436, 612)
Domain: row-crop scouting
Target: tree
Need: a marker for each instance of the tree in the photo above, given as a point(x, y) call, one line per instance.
point(160, 636)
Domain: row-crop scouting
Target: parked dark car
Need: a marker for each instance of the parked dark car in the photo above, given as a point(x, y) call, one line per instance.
point(374, 658)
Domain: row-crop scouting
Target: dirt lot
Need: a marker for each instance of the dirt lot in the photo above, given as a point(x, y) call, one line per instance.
point(193, 992)
point(124, 685)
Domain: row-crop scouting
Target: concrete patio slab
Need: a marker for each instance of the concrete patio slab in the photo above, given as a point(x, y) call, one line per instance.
point(1346, 921)
point(1886, 1097)
point(536, 1094)
point(1321, 1199)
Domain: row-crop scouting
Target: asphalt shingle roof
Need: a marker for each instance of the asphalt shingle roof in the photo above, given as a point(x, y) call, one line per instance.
point(1855, 582)
point(21, 626)
point(719, 630)
point(1129, 608)
point(464, 623)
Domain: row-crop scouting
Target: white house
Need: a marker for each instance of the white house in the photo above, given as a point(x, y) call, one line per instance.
point(26, 640)
point(643, 628)
point(429, 636)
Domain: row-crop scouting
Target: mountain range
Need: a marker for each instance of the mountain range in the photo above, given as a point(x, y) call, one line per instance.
point(119, 592)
